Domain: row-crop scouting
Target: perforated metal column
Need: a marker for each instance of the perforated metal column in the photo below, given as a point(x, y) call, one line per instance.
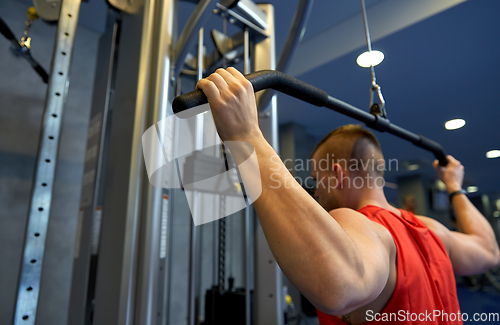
point(41, 195)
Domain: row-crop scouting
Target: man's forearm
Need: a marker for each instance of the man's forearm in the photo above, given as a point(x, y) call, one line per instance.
point(471, 222)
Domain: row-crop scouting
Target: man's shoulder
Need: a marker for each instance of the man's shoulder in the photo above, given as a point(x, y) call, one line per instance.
point(356, 219)
point(438, 228)
point(350, 216)
point(380, 214)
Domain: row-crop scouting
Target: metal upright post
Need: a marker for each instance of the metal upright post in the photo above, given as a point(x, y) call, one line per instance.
point(247, 247)
point(195, 231)
point(154, 204)
point(268, 276)
point(265, 58)
point(128, 272)
point(45, 169)
point(89, 219)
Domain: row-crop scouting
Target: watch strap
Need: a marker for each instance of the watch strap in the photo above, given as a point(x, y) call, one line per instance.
point(462, 191)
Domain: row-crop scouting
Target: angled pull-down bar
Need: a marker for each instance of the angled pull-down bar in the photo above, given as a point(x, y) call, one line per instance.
point(284, 83)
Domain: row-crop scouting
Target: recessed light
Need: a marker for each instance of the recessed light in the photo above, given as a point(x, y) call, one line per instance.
point(454, 124)
point(413, 167)
point(472, 189)
point(371, 58)
point(493, 154)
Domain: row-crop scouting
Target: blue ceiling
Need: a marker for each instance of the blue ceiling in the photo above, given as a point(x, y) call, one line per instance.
point(444, 67)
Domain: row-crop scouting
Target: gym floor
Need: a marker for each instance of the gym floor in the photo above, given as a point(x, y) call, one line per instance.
point(478, 298)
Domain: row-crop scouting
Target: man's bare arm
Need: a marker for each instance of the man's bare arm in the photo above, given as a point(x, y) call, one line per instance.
point(474, 249)
point(337, 260)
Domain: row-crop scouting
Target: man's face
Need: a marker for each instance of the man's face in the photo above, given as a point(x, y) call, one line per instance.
point(327, 193)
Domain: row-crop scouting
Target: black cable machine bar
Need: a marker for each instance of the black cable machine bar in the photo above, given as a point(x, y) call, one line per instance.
point(291, 86)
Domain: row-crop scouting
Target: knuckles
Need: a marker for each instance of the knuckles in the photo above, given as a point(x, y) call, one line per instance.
point(248, 85)
point(239, 89)
point(211, 77)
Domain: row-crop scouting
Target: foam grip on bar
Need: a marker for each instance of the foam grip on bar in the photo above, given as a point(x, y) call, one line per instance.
point(435, 148)
point(260, 80)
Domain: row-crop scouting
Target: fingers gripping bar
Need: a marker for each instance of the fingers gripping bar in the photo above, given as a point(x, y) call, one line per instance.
point(261, 80)
point(291, 86)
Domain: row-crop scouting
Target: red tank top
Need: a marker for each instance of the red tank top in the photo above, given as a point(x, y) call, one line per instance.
point(425, 291)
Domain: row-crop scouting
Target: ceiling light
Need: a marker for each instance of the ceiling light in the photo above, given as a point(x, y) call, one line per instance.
point(413, 167)
point(496, 214)
point(493, 154)
point(368, 59)
point(472, 189)
point(454, 124)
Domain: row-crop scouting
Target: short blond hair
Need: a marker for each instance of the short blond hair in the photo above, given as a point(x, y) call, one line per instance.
point(352, 142)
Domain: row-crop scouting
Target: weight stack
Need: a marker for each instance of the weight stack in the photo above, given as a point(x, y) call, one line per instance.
point(226, 307)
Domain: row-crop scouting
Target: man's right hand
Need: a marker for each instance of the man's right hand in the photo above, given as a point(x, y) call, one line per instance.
point(452, 174)
point(232, 101)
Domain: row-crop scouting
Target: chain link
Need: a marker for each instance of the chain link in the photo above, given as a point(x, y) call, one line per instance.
point(222, 243)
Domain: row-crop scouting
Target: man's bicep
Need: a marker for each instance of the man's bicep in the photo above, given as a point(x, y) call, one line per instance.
point(467, 254)
point(373, 242)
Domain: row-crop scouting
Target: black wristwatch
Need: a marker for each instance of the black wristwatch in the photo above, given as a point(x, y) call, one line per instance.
point(462, 191)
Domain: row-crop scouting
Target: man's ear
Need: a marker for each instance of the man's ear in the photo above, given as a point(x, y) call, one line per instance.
point(339, 173)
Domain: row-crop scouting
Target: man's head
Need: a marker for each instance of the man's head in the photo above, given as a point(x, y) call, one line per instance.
point(347, 162)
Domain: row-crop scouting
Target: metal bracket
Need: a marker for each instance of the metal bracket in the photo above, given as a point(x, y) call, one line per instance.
point(210, 62)
point(227, 45)
point(380, 124)
point(240, 21)
point(377, 108)
point(127, 6)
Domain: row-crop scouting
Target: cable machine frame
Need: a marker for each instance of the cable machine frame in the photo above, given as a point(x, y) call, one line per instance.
point(120, 244)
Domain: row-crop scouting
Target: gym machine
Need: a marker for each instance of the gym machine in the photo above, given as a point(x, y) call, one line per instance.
point(132, 258)
point(130, 233)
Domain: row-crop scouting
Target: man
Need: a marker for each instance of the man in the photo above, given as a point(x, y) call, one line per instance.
point(355, 265)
